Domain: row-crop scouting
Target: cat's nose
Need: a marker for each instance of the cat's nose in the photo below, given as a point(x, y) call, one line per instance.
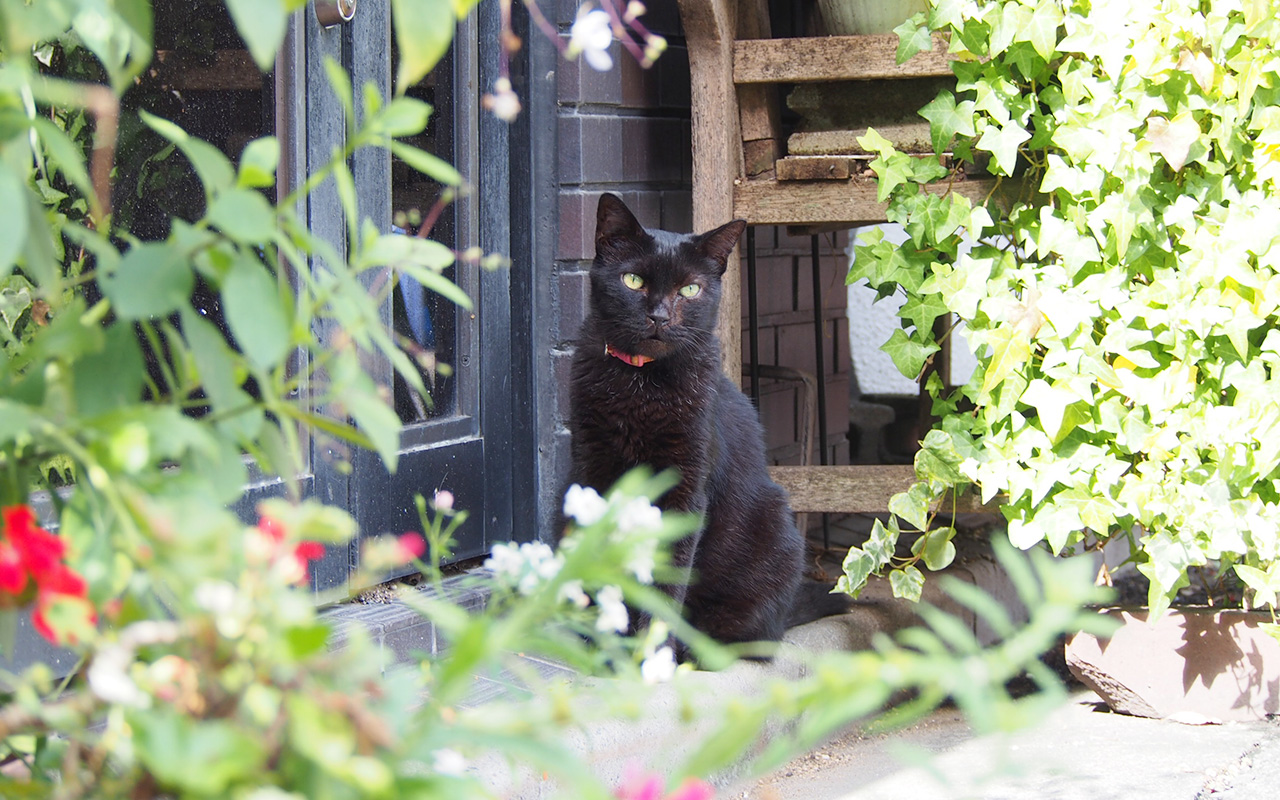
point(660, 318)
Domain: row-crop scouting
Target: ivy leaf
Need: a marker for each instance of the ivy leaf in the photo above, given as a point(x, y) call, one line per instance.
point(1264, 584)
point(1042, 31)
point(938, 550)
point(1173, 139)
point(913, 37)
point(1002, 142)
point(908, 355)
point(907, 583)
point(913, 505)
point(1010, 351)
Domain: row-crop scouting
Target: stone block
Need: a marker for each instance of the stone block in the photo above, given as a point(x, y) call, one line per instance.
point(1189, 664)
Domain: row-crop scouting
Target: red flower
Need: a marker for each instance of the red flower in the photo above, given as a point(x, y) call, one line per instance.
point(273, 528)
point(39, 550)
point(26, 549)
point(13, 575)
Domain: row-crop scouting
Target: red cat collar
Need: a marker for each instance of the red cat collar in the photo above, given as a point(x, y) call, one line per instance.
point(635, 361)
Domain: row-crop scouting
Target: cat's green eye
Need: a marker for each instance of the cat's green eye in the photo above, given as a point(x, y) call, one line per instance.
point(632, 280)
point(692, 290)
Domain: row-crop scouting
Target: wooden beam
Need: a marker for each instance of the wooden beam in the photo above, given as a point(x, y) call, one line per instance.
point(852, 202)
point(231, 70)
point(717, 149)
point(859, 489)
point(833, 58)
point(812, 168)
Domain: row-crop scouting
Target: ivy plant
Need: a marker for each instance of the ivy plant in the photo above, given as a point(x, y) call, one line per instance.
point(1119, 286)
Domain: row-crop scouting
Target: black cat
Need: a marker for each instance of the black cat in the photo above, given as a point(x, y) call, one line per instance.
point(647, 388)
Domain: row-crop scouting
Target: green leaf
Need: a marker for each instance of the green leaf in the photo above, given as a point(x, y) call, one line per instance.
point(67, 157)
point(939, 550)
point(428, 164)
point(104, 384)
point(203, 757)
point(258, 163)
point(946, 119)
point(212, 167)
point(913, 505)
point(13, 226)
point(152, 280)
point(403, 116)
point(340, 82)
point(1173, 139)
point(913, 37)
point(256, 314)
point(424, 31)
point(1002, 142)
point(907, 583)
point(1010, 351)
point(244, 216)
point(261, 24)
point(908, 355)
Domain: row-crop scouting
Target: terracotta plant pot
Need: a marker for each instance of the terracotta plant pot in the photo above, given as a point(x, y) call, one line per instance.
point(861, 17)
point(1192, 664)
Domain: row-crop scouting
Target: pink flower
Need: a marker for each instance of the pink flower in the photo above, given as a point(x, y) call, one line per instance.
point(650, 787)
point(411, 546)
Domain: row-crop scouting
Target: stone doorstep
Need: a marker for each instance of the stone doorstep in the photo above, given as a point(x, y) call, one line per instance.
point(1191, 664)
point(658, 734)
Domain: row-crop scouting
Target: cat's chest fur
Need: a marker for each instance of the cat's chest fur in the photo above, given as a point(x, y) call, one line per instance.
point(624, 416)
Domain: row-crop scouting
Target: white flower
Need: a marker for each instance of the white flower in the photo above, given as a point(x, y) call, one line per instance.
point(527, 565)
point(505, 560)
point(584, 505)
point(639, 515)
point(613, 612)
point(572, 593)
point(659, 667)
point(591, 35)
point(110, 681)
point(503, 101)
point(543, 564)
point(640, 562)
point(449, 762)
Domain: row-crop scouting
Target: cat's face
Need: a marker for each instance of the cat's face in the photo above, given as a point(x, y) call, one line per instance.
point(656, 292)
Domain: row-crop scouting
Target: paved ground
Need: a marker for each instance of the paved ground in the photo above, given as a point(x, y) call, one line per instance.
point(1078, 753)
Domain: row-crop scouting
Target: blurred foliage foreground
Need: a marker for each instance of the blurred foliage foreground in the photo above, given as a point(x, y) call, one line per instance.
point(205, 668)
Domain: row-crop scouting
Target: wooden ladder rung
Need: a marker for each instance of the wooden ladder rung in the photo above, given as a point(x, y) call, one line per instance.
point(814, 59)
point(857, 489)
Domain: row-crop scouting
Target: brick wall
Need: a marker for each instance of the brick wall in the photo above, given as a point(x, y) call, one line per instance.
point(627, 131)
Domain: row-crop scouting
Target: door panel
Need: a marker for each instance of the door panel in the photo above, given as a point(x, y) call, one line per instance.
point(447, 439)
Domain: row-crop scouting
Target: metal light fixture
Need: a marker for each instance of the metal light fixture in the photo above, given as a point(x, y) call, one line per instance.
point(334, 12)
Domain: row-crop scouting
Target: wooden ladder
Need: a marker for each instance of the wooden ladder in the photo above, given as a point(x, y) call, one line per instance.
point(740, 172)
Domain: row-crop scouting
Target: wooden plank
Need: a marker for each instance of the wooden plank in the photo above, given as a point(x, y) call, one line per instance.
point(717, 149)
point(833, 58)
point(758, 106)
point(813, 168)
point(858, 489)
point(231, 70)
point(852, 202)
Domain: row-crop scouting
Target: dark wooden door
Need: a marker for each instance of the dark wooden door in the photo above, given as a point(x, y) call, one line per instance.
point(459, 438)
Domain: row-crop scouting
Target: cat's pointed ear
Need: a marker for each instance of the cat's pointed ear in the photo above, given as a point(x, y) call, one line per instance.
point(717, 244)
point(615, 224)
